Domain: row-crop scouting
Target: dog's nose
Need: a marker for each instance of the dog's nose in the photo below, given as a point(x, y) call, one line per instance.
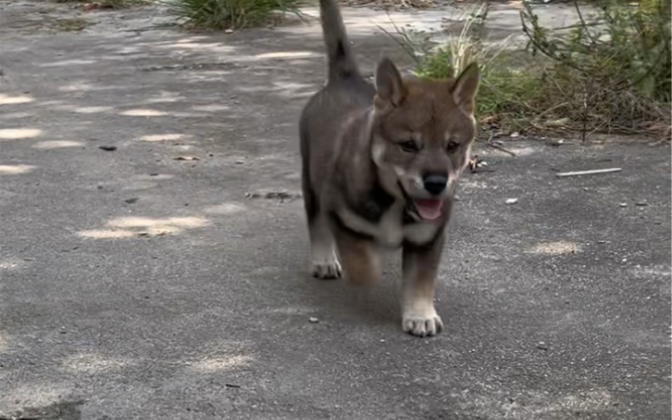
point(435, 184)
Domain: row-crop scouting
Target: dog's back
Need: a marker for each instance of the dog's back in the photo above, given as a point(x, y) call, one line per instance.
point(345, 96)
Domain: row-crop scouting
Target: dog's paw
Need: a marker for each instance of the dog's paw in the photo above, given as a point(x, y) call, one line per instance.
point(327, 270)
point(422, 326)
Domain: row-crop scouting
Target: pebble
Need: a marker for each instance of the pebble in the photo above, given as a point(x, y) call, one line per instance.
point(313, 320)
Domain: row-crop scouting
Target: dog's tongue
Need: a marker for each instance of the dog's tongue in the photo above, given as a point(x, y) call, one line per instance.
point(429, 209)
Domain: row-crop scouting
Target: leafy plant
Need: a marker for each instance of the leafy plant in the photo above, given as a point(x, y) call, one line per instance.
point(609, 72)
point(613, 70)
point(623, 46)
point(230, 14)
point(503, 82)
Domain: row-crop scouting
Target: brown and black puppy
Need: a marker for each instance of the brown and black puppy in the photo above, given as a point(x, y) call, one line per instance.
point(379, 170)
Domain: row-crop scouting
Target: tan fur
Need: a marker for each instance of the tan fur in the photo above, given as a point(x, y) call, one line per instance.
point(359, 258)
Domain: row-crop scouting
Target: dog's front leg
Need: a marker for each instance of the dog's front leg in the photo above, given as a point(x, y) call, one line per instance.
point(420, 266)
point(323, 248)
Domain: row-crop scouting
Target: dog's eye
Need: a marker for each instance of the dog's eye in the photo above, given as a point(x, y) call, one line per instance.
point(452, 146)
point(409, 146)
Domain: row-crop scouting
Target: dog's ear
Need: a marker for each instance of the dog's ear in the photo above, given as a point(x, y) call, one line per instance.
point(390, 88)
point(465, 87)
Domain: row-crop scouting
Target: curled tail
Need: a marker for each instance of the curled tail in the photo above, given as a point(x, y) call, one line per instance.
point(340, 59)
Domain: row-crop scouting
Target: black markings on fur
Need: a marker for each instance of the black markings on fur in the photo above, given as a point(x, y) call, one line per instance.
point(375, 205)
point(409, 210)
point(340, 50)
point(344, 68)
point(408, 219)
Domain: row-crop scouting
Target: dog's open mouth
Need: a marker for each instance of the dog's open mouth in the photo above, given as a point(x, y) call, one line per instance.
point(428, 209)
point(424, 208)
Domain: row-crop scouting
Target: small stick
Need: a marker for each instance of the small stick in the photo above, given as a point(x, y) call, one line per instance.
point(494, 146)
point(591, 172)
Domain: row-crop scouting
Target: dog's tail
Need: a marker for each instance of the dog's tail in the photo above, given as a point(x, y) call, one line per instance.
point(340, 58)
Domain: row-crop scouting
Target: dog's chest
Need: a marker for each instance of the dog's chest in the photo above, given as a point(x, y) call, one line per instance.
point(389, 229)
point(393, 230)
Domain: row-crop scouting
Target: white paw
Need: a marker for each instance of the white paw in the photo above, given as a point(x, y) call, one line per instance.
point(327, 270)
point(422, 325)
point(325, 262)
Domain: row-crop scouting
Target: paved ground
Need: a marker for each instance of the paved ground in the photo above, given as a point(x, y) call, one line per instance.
point(137, 286)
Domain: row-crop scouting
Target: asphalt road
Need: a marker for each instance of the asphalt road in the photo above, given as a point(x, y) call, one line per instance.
point(168, 278)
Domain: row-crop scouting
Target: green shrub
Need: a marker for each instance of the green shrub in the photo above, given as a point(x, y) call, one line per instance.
point(614, 69)
point(609, 74)
point(505, 88)
point(230, 14)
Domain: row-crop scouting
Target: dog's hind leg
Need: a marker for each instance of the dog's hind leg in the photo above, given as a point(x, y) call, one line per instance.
point(360, 258)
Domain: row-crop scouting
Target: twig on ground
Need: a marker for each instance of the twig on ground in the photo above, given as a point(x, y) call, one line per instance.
point(589, 172)
point(495, 146)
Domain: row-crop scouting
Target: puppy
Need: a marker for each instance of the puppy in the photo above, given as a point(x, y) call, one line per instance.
point(379, 167)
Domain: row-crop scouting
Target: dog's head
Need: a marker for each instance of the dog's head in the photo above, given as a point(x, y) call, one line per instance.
point(422, 134)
